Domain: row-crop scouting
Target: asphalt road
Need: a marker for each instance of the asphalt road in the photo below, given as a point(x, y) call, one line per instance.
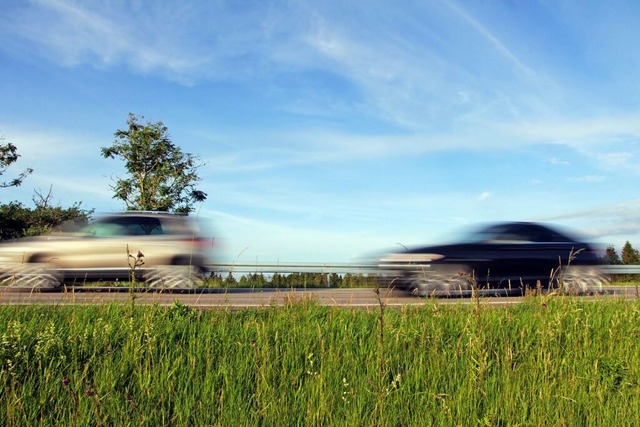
point(248, 298)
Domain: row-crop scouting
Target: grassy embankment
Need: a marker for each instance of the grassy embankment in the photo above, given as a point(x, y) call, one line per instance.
point(549, 361)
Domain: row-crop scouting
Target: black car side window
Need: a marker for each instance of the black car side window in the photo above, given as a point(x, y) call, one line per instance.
point(510, 234)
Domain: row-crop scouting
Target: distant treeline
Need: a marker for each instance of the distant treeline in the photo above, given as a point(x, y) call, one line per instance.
point(628, 255)
point(297, 280)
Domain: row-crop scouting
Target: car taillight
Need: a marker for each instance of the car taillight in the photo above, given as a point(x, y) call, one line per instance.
point(201, 242)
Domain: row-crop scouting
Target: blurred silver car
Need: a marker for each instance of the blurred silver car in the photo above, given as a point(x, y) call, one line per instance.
point(161, 249)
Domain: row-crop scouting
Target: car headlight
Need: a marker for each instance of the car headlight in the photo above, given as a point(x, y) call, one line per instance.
point(399, 260)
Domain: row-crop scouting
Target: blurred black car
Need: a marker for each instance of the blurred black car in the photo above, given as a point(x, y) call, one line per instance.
point(514, 255)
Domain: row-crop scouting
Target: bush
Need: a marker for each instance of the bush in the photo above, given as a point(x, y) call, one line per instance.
point(17, 220)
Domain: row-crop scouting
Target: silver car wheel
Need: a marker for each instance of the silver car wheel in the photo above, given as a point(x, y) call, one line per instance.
point(31, 276)
point(173, 277)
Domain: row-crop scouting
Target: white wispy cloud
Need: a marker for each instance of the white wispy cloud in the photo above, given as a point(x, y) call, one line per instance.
point(179, 41)
point(557, 161)
point(35, 142)
point(401, 80)
point(610, 140)
point(71, 33)
point(484, 196)
point(612, 223)
point(577, 131)
point(618, 160)
point(248, 239)
point(586, 179)
point(484, 32)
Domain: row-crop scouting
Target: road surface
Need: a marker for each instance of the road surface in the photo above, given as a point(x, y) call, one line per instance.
point(256, 298)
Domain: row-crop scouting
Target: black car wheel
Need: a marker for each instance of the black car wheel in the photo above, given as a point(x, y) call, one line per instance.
point(582, 279)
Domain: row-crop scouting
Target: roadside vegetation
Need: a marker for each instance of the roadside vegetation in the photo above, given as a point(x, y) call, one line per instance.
point(18, 220)
point(303, 280)
point(261, 280)
point(294, 280)
point(549, 361)
point(625, 280)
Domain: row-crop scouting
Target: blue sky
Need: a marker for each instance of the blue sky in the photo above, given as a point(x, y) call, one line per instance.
point(336, 128)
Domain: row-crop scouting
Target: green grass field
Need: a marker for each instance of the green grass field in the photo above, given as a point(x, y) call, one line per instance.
point(549, 361)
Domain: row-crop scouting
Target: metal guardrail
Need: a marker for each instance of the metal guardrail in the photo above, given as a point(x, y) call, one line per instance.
point(621, 269)
point(294, 267)
point(343, 268)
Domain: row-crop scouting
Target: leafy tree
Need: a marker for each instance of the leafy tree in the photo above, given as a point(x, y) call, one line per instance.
point(8, 156)
point(230, 281)
point(359, 280)
point(17, 220)
point(611, 257)
point(278, 280)
point(334, 280)
point(630, 255)
point(161, 176)
point(253, 280)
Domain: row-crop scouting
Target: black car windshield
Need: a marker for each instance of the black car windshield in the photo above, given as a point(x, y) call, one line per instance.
point(482, 236)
